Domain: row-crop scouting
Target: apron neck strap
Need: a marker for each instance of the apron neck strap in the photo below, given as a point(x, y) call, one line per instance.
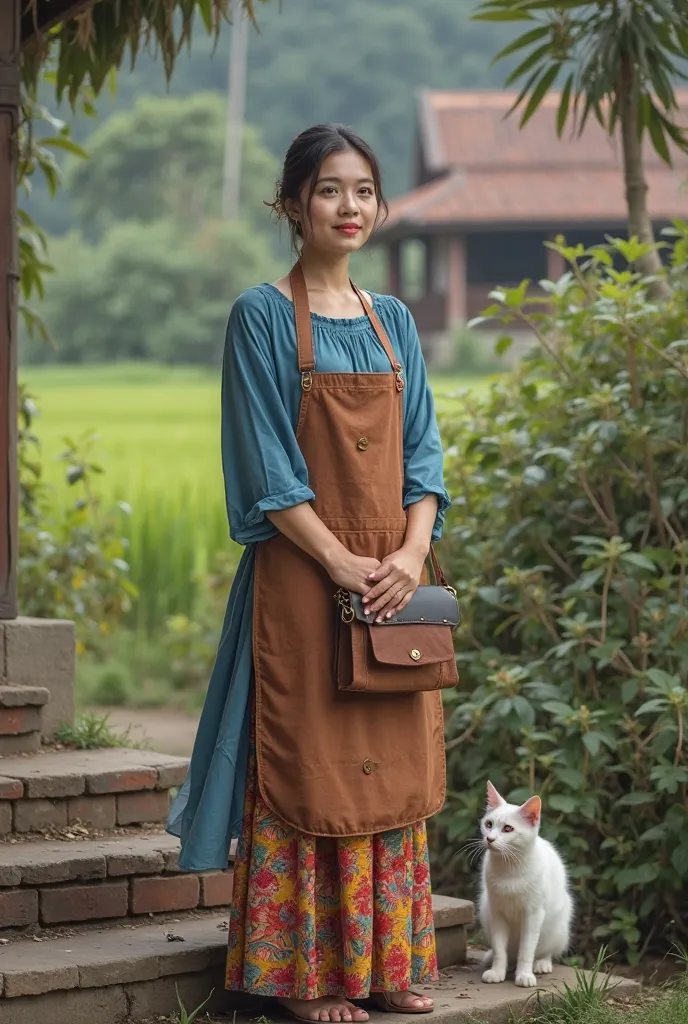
point(304, 329)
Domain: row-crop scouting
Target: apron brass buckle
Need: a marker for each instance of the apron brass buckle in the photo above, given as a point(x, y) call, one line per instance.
point(398, 369)
point(306, 380)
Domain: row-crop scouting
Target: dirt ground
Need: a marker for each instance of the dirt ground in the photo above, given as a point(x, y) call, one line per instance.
point(164, 730)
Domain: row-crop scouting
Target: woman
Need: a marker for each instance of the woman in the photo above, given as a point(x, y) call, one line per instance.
point(333, 471)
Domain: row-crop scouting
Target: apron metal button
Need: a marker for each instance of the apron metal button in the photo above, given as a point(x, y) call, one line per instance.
point(362, 444)
point(367, 766)
point(416, 655)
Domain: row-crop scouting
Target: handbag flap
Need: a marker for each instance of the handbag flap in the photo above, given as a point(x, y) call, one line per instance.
point(428, 606)
point(411, 645)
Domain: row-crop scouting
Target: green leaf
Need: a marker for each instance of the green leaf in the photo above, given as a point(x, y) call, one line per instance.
point(558, 708)
point(525, 40)
point(503, 344)
point(679, 859)
point(539, 93)
point(635, 799)
point(662, 679)
point(501, 16)
point(632, 558)
point(656, 130)
point(564, 103)
point(592, 742)
point(561, 802)
point(641, 875)
point(68, 145)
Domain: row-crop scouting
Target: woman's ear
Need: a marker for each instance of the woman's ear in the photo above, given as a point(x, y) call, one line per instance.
point(293, 210)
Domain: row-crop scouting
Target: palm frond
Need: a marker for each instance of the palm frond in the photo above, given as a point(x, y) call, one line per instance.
point(84, 40)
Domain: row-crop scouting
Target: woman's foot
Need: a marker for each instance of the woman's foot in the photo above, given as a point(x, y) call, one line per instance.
point(406, 1001)
point(328, 1008)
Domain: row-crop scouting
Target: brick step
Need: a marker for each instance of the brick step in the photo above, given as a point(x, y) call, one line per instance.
point(98, 788)
point(127, 975)
point(48, 884)
point(21, 718)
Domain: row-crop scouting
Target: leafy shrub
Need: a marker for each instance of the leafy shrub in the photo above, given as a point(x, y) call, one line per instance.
point(567, 544)
point(192, 641)
point(71, 557)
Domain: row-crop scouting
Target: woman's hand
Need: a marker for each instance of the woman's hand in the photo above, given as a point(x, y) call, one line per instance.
point(394, 583)
point(353, 572)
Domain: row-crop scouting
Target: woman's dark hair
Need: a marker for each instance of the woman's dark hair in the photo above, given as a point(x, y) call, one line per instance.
point(302, 164)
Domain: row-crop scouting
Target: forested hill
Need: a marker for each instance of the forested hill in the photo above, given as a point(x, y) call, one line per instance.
point(357, 61)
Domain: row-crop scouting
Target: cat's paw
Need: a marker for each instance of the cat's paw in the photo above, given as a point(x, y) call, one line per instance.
point(494, 976)
point(543, 966)
point(525, 979)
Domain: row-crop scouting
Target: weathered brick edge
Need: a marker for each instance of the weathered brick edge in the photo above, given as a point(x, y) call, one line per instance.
point(102, 800)
point(116, 897)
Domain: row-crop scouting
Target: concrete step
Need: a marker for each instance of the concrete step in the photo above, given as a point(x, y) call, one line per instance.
point(21, 719)
point(100, 789)
point(46, 884)
point(126, 975)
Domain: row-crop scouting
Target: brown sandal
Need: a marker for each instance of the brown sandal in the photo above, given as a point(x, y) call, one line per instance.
point(384, 1003)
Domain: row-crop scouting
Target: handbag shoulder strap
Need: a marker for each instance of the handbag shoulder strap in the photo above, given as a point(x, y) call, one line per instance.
point(437, 568)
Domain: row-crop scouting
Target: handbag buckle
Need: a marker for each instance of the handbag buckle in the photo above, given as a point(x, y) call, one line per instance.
point(343, 599)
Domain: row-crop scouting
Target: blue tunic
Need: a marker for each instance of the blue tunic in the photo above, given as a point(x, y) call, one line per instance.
point(264, 470)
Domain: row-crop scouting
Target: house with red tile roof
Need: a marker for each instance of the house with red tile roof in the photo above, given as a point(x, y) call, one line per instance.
point(488, 194)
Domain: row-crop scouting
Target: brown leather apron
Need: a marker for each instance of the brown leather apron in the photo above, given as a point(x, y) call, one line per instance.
point(334, 763)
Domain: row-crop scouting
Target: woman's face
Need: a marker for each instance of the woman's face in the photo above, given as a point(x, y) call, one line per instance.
point(344, 207)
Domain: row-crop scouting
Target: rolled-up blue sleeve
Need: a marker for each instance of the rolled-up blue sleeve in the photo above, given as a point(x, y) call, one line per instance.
point(263, 467)
point(423, 454)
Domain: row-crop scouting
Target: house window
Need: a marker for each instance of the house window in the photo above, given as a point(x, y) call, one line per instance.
point(506, 257)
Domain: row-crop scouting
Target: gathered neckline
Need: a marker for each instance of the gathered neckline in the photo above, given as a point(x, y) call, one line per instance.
point(338, 321)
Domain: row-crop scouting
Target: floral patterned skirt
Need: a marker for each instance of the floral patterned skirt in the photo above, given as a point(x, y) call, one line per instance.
point(316, 917)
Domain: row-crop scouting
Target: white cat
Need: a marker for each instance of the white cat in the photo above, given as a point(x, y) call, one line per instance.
point(525, 905)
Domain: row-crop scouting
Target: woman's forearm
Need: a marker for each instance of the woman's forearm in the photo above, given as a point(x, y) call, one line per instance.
point(420, 522)
point(302, 525)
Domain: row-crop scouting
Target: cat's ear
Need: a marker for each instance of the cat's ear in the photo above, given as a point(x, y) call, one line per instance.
point(493, 797)
point(531, 809)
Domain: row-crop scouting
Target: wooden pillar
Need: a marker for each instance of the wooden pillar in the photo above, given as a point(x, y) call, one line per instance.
point(10, 16)
point(394, 281)
point(457, 281)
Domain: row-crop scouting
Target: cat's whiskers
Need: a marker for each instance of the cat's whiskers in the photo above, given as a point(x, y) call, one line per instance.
point(472, 848)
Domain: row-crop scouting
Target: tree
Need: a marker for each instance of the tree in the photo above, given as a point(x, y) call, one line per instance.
point(173, 290)
point(163, 158)
point(620, 60)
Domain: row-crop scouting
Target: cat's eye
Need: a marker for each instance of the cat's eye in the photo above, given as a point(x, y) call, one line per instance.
point(508, 828)
point(488, 824)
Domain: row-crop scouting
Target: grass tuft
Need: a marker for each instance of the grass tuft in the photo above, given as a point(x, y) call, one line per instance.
point(91, 732)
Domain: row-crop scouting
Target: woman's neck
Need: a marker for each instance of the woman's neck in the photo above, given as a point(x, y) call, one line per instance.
point(325, 275)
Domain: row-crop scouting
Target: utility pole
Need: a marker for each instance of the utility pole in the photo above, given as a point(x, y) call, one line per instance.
point(236, 104)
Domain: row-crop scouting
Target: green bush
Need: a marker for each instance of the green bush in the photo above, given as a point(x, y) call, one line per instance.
point(568, 547)
point(71, 555)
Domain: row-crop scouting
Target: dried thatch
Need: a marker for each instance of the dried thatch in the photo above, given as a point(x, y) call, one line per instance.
point(83, 40)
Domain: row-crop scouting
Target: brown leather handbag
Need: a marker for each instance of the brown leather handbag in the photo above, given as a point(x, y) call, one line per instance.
point(412, 651)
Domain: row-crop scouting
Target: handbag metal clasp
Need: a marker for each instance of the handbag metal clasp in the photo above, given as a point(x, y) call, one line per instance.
point(343, 599)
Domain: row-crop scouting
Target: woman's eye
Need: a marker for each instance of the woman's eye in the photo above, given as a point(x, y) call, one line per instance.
point(508, 828)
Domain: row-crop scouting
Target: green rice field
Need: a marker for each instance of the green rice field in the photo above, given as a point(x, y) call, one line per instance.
point(158, 443)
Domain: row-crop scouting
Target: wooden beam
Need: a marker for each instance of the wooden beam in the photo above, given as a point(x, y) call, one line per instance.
point(10, 19)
